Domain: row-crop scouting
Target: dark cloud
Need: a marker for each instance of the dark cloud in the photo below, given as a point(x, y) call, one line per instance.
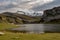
point(46, 6)
point(35, 8)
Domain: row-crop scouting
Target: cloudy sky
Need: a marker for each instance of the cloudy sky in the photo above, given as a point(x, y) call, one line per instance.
point(34, 5)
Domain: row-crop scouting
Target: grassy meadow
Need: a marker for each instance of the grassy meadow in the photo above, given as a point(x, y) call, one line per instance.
point(25, 36)
point(22, 36)
point(6, 26)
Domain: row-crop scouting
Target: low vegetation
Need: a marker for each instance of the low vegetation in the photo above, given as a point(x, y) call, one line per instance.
point(4, 26)
point(21, 36)
point(25, 36)
point(53, 22)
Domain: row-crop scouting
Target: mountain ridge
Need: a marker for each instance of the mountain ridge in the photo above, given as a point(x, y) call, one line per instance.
point(17, 18)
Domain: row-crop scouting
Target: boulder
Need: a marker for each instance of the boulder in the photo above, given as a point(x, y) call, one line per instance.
point(2, 33)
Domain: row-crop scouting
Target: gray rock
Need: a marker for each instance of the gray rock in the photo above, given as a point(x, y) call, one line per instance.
point(51, 14)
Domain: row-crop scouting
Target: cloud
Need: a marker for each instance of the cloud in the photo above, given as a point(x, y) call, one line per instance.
point(36, 5)
point(50, 5)
point(5, 5)
point(32, 3)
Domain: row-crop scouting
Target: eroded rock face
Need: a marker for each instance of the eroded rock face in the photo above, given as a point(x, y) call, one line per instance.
point(51, 14)
point(17, 18)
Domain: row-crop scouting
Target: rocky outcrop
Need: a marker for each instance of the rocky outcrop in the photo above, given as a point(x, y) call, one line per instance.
point(51, 14)
point(16, 18)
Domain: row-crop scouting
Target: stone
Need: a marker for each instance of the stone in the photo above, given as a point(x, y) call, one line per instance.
point(51, 14)
point(1, 33)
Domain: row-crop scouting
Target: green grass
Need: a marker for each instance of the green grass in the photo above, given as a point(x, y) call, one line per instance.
point(21, 36)
point(6, 26)
point(26, 36)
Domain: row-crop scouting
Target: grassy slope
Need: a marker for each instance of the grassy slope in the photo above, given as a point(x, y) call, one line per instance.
point(28, 17)
point(17, 18)
point(20, 36)
point(54, 22)
point(6, 25)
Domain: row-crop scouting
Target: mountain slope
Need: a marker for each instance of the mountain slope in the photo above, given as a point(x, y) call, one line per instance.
point(52, 15)
point(17, 18)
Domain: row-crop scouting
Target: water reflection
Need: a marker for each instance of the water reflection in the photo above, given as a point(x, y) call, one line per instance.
point(38, 28)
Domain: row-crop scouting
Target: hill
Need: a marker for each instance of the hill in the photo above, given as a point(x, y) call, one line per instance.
point(16, 18)
point(52, 15)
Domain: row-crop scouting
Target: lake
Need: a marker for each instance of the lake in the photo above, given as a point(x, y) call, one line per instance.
point(38, 28)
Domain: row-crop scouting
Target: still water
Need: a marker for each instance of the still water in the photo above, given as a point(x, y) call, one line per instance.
point(38, 28)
